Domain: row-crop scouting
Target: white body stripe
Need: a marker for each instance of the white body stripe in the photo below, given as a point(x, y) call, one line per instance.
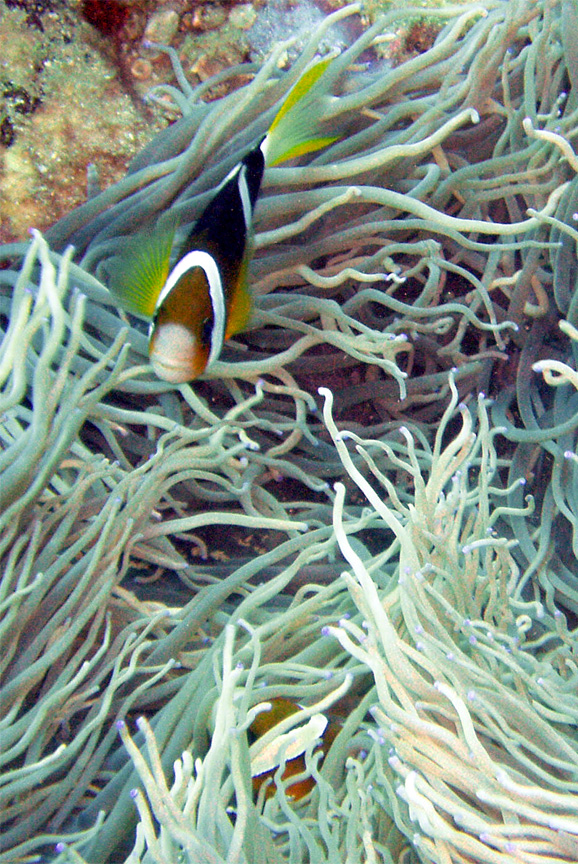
point(245, 198)
point(265, 147)
point(207, 263)
point(226, 179)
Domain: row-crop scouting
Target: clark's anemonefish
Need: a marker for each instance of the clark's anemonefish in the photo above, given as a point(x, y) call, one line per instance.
point(204, 299)
point(318, 732)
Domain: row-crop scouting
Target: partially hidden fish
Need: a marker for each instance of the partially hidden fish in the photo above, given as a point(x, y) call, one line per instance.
point(204, 299)
point(317, 733)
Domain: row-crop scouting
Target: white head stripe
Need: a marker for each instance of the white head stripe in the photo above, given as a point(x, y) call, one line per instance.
point(207, 263)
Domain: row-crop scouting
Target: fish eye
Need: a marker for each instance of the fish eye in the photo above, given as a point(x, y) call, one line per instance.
point(207, 331)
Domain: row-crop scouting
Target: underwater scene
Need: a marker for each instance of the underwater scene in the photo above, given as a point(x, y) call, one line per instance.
point(289, 433)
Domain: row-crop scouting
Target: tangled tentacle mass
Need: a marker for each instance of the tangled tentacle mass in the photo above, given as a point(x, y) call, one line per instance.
point(368, 507)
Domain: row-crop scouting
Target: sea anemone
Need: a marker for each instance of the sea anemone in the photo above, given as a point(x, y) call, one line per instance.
point(173, 557)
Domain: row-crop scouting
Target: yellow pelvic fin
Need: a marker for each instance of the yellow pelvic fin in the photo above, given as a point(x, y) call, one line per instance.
point(239, 312)
point(138, 274)
point(293, 131)
point(241, 304)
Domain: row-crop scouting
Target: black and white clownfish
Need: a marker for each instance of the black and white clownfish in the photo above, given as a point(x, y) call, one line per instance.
point(204, 299)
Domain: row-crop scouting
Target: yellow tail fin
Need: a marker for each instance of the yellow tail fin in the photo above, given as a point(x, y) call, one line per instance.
point(293, 131)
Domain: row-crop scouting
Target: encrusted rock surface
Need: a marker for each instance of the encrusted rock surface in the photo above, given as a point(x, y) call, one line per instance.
point(74, 75)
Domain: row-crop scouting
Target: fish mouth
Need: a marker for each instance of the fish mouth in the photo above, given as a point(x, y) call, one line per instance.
point(174, 354)
point(175, 373)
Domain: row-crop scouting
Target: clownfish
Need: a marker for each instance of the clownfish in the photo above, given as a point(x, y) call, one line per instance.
point(204, 299)
point(293, 744)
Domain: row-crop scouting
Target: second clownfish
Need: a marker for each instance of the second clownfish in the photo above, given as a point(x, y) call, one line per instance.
point(318, 732)
point(204, 299)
